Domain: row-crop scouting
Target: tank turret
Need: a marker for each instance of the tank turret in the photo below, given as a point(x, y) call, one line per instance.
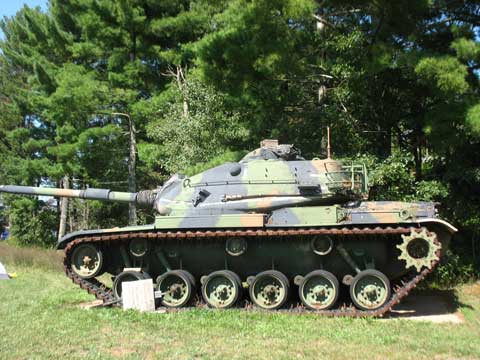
point(270, 177)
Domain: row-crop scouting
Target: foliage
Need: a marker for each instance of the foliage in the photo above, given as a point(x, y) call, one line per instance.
point(453, 270)
point(32, 223)
point(225, 157)
point(203, 131)
point(389, 179)
point(473, 119)
point(446, 74)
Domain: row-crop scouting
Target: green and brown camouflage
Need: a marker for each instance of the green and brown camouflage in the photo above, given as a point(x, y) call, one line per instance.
point(314, 220)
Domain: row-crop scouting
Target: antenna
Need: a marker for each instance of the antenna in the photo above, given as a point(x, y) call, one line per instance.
point(328, 142)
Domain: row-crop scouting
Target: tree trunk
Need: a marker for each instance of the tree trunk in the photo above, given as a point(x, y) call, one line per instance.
point(417, 152)
point(132, 163)
point(132, 155)
point(63, 209)
point(182, 86)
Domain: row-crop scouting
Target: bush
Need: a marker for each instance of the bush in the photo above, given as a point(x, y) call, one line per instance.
point(452, 270)
point(32, 222)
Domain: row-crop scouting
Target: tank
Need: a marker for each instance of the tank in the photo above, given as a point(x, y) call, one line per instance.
point(273, 230)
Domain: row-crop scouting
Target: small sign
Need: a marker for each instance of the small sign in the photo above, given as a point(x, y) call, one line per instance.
point(3, 273)
point(138, 295)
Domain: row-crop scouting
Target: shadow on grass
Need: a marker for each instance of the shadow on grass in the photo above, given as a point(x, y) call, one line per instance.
point(429, 303)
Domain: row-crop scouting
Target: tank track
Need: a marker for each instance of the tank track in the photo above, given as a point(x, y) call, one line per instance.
point(102, 292)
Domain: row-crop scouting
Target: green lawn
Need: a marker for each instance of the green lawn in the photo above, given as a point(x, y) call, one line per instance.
point(40, 318)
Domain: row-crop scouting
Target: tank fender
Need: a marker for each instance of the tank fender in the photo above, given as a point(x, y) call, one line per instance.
point(64, 241)
point(445, 225)
point(443, 229)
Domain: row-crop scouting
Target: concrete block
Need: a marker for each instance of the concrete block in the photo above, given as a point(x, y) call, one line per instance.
point(138, 295)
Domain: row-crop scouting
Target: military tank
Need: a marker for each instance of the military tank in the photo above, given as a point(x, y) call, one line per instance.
point(274, 229)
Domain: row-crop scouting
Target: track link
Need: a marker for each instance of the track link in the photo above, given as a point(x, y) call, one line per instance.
point(102, 292)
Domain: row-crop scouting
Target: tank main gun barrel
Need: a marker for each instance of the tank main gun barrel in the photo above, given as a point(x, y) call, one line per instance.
point(142, 198)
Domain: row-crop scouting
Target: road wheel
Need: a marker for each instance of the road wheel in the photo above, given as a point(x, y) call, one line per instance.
point(124, 276)
point(221, 289)
point(269, 289)
point(177, 287)
point(370, 290)
point(319, 290)
point(87, 261)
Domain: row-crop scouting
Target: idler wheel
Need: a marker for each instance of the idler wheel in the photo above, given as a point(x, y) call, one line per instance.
point(87, 261)
point(177, 287)
point(370, 290)
point(221, 289)
point(319, 290)
point(129, 275)
point(269, 289)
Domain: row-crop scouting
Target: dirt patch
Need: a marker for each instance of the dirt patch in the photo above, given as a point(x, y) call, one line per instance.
point(472, 289)
point(120, 352)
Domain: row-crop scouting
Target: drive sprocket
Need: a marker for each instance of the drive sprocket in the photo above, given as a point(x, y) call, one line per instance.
point(419, 249)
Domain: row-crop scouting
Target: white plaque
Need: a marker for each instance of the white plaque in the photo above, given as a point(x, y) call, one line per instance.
point(138, 295)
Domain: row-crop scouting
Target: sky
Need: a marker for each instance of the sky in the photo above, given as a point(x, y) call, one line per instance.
point(10, 7)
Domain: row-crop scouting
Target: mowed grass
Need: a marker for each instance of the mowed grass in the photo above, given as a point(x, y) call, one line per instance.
point(40, 318)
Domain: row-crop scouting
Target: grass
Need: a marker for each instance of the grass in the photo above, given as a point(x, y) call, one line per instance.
point(31, 257)
point(40, 318)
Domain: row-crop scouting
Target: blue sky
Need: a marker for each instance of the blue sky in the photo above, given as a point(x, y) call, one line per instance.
point(10, 7)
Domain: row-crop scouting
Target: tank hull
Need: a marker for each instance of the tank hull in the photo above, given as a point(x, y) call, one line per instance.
point(367, 213)
point(359, 240)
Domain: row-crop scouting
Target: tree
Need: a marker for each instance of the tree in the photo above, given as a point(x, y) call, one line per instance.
point(196, 126)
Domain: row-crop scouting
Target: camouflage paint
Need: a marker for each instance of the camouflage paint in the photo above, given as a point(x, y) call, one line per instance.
point(91, 194)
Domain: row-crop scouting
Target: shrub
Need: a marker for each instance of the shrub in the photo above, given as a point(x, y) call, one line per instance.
point(32, 222)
